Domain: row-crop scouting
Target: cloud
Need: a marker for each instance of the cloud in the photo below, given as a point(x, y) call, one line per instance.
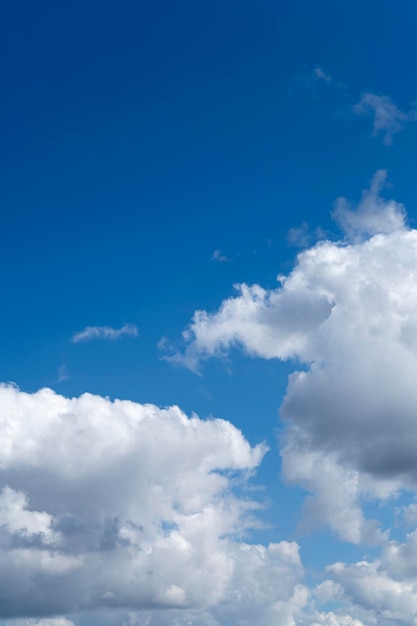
point(118, 506)
point(347, 315)
point(331, 619)
point(319, 74)
point(302, 236)
point(91, 333)
point(122, 513)
point(384, 591)
point(372, 215)
point(313, 79)
point(219, 257)
point(62, 374)
point(388, 119)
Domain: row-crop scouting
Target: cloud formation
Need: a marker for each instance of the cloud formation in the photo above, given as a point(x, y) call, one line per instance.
point(320, 74)
point(122, 513)
point(91, 333)
point(347, 313)
point(388, 119)
point(122, 506)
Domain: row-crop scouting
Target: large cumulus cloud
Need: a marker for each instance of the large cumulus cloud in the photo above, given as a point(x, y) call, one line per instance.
point(122, 506)
point(347, 313)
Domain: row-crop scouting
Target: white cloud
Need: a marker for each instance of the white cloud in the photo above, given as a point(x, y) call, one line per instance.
point(383, 598)
point(372, 215)
point(312, 80)
point(90, 333)
point(320, 74)
point(388, 119)
point(331, 619)
point(62, 374)
point(347, 313)
point(122, 506)
point(219, 257)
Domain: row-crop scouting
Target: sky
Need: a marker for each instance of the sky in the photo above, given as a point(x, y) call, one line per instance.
point(208, 262)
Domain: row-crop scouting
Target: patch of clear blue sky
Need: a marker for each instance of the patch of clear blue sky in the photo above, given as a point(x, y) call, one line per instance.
point(139, 137)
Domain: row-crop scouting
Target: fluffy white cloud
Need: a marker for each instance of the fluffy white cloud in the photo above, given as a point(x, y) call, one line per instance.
point(382, 598)
point(347, 312)
point(122, 506)
point(90, 333)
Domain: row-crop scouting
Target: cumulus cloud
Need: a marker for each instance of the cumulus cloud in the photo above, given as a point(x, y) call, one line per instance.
point(347, 313)
point(384, 591)
point(90, 333)
point(122, 513)
point(388, 119)
point(122, 506)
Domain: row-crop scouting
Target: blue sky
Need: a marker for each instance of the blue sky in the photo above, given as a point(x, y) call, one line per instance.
point(155, 156)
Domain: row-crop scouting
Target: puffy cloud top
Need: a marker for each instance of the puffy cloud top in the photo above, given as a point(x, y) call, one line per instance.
point(128, 506)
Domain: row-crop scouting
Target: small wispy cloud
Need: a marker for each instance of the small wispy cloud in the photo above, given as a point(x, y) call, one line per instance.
point(219, 257)
point(91, 333)
point(303, 237)
point(372, 215)
point(311, 79)
point(319, 74)
point(388, 119)
point(62, 374)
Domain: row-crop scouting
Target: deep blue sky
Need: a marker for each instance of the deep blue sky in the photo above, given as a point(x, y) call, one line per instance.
point(140, 137)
